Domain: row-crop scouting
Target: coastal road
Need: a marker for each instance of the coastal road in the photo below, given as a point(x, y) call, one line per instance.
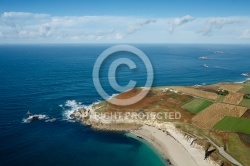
point(225, 154)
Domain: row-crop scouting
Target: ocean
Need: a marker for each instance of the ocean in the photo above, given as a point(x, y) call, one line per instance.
point(53, 80)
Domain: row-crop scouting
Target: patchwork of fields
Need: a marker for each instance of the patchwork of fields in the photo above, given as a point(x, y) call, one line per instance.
point(227, 115)
point(207, 118)
point(203, 108)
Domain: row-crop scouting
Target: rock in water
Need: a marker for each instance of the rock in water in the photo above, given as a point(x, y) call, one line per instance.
point(82, 110)
point(31, 118)
point(77, 114)
point(28, 113)
point(72, 116)
point(51, 120)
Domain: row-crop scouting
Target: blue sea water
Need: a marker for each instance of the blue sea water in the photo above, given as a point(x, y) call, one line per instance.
point(54, 79)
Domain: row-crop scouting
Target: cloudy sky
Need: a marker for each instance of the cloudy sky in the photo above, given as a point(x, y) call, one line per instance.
point(161, 21)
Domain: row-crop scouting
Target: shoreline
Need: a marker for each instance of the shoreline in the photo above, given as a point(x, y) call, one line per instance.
point(174, 145)
point(171, 147)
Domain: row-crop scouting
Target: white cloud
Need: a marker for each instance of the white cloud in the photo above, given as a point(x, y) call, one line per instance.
point(217, 23)
point(22, 15)
point(1, 35)
point(20, 26)
point(173, 24)
point(40, 26)
point(139, 25)
point(134, 27)
point(245, 34)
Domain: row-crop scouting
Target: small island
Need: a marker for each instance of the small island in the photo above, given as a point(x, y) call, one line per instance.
point(205, 125)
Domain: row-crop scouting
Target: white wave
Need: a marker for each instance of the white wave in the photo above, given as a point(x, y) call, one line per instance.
point(51, 120)
point(69, 108)
point(241, 82)
point(219, 52)
point(220, 67)
point(205, 65)
point(203, 84)
point(246, 74)
point(112, 96)
point(204, 58)
point(35, 117)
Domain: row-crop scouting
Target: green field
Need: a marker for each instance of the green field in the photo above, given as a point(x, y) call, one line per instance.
point(234, 125)
point(238, 149)
point(197, 105)
point(245, 103)
point(245, 89)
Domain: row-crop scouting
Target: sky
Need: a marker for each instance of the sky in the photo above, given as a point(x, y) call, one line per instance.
point(130, 21)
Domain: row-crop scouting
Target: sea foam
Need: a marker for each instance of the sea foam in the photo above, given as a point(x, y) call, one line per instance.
point(71, 106)
point(37, 116)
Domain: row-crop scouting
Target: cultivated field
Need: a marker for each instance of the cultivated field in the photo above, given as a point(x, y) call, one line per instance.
point(196, 92)
point(197, 105)
point(245, 103)
point(231, 87)
point(245, 89)
point(213, 114)
point(238, 149)
point(233, 98)
point(155, 101)
point(232, 124)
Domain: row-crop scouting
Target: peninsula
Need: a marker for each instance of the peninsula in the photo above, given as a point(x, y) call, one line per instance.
point(205, 125)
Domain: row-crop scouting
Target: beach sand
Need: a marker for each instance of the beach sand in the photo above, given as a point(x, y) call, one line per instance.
point(173, 147)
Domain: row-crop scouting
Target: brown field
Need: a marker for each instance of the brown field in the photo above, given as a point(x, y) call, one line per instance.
point(207, 88)
point(245, 138)
point(214, 113)
point(233, 98)
point(246, 114)
point(196, 92)
point(155, 101)
point(231, 87)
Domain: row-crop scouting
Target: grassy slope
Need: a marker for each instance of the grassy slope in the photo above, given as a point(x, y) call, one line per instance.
point(246, 88)
point(197, 105)
point(234, 124)
point(238, 149)
point(245, 103)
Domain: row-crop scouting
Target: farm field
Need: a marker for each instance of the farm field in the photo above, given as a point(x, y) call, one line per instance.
point(211, 115)
point(233, 124)
point(196, 92)
point(155, 101)
point(231, 87)
point(197, 105)
point(238, 149)
point(245, 103)
point(233, 98)
point(245, 89)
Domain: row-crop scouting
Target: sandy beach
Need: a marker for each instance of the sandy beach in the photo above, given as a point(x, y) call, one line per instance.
point(173, 146)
